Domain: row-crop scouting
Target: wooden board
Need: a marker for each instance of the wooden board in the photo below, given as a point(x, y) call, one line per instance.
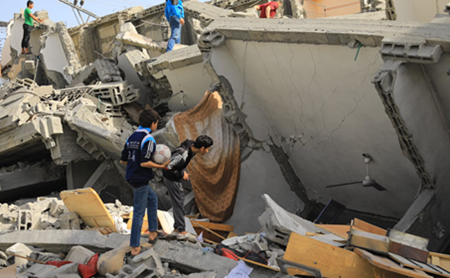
point(333, 262)
point(89, 206)
point(369, 241)
point(408, 251)
point(339, 230)
point(367, 227)
point(418, 265)
point(387, 264)
point(221, 229)
point(144, 228)
point(165, 221)
point(441, 260)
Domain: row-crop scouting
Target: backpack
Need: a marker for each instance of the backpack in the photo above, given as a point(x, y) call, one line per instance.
point(259, 257)
point(225, 251)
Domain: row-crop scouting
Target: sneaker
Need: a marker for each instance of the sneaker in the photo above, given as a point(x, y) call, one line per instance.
point(187, 236)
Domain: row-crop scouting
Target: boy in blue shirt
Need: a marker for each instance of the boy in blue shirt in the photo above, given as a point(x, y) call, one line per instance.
point(174, 12)
point(137, 155)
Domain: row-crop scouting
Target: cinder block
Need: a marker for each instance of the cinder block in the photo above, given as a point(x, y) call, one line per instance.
point(57, 208)
point(24, 220)
point(79, 254)
point(70, 221)
point(150, 259)
point(63, 271)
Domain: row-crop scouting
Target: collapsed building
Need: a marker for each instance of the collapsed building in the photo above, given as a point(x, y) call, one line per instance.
point(292, 103)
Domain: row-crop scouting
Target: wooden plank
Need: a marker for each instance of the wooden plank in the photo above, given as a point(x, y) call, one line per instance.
point(387, 264)
point(214, 226)
point(367, 227)
point(408, 239)
point(259, 264)
point(333, 262)
point(89, 206)
point(408, 251)
point(418, 265)
point(441, 260)
point(231, 234)
point(339, 230)
point(144, 228)
point(221, 229)
point(369, 241)
point(208, 230)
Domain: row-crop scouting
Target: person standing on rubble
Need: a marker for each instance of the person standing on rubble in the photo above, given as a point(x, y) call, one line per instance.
point(268, 10)
point(175, 15)
point(136, 155)
point(175, 172)
point(28, 26)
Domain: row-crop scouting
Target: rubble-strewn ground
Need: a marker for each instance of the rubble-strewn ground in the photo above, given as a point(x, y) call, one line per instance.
point(291, 104)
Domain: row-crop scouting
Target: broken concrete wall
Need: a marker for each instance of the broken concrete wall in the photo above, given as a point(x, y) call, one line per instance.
point(419, 112)
point(323, 127)
point(58, 55)
point(38, 177)
point(255, 181)
point(6, 50)
point(153, 23)
point(172, 76)
point(95, 39)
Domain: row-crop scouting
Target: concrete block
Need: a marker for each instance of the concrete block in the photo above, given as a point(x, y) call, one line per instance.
point(151, 259)
point(79, 254)
point(39, 270)
point(107, 70)
point(139, 272)
point(63, 271)
point(70, 221)
point(22, 250)
point(24, 220)
point(136, 40)
point(260, 243)
point(57, 208)
point(46, 221)
point(186, 259)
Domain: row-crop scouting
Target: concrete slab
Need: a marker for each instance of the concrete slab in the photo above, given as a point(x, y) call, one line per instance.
point(63, 240)
point(79, 254)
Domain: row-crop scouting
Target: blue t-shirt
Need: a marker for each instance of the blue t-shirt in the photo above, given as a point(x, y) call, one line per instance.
point(138, 149)
point(174, 8)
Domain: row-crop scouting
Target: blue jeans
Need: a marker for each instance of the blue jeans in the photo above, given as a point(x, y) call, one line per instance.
point(144, 197)
point(175, 36)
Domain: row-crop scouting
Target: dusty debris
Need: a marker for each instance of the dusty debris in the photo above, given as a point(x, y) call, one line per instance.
point(285, 104)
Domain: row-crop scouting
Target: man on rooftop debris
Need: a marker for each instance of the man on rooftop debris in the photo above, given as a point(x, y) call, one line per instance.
point(137, 154)
point(268, 10)
point(175, 172)
point(28, 26)
point(175, 15)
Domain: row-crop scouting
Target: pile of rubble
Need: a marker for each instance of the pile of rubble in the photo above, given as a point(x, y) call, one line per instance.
point(45, 239)
point(286, 245)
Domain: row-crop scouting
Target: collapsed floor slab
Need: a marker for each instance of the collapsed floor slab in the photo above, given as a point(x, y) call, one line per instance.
point(63, 240)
